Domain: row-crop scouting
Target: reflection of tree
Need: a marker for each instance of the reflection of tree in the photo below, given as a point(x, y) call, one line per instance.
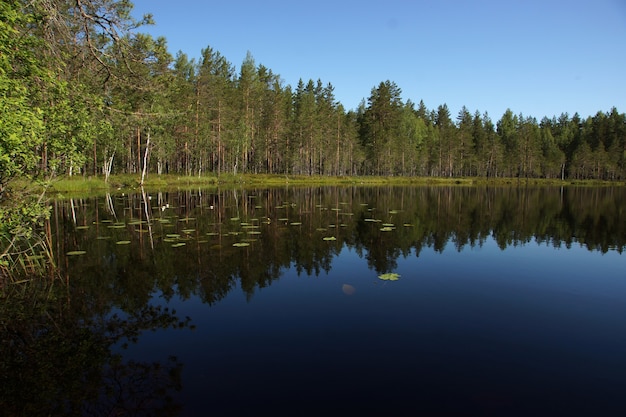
point(423, 217)
point(54, 360)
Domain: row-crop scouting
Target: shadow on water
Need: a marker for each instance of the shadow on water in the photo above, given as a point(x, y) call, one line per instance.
point(124, 257)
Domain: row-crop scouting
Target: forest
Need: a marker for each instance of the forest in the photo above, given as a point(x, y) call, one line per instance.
point(84, 92)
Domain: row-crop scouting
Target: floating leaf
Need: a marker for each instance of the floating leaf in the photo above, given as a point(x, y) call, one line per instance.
point(103, 237)
point(173, 235)
point(82, 227)
point(296, 223)
point(122, 242)
point(188, 231)
point(387, 229)
point(178, 245)
point(76, 252)
point(241, 244)
point(391, 276)
point(330, 238)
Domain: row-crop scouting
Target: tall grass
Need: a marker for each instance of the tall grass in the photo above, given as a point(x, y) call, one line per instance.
point(78, 185)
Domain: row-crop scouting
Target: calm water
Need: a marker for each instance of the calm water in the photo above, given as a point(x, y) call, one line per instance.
point(506, 301)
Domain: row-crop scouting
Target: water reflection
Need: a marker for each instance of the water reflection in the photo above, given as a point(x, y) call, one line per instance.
point(206, 242)
point(57, 355)
point(451, 324)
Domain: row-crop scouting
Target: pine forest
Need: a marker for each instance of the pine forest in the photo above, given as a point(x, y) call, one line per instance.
point(84, 92)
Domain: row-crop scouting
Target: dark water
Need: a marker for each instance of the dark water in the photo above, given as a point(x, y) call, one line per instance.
point(506, 301)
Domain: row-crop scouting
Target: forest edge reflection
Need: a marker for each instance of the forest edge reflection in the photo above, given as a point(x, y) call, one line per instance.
point(184, 244)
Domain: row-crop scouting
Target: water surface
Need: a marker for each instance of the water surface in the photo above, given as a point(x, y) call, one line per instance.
point(506, 301)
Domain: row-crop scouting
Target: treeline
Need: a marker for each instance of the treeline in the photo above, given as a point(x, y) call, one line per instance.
point(82, 91)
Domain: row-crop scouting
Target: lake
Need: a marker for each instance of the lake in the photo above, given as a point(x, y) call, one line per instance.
point(342, 301)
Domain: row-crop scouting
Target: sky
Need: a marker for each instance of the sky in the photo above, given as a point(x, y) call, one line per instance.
point(536, 57)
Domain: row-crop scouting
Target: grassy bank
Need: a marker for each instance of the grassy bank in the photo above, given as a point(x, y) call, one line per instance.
point(122, 183)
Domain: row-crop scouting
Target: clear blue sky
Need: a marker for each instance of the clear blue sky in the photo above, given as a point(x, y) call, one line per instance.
point(536, 57)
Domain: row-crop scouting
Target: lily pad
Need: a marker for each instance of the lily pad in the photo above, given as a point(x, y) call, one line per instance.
point(122, 242)
point(76, 252)
point(241, 244)
point(390, 276)
point(178, 245)
point(330, 238)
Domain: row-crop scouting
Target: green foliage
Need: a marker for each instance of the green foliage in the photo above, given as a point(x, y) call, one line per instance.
point(22, 123)
point(25, 250)
point(114, 87)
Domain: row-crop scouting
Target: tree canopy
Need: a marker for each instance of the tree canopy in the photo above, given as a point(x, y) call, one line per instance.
point(84, 91)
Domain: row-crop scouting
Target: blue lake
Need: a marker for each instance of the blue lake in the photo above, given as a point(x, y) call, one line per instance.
point(364, 301)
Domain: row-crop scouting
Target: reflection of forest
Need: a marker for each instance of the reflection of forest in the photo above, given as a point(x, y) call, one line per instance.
point(187, 243)
point(57, 340)
point(56, 355)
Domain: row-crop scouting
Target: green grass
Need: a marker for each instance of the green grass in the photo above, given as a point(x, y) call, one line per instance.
point(79, 185)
